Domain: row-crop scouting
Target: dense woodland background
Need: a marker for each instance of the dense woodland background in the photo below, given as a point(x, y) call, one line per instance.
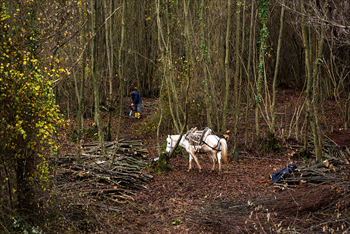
point(203, 63)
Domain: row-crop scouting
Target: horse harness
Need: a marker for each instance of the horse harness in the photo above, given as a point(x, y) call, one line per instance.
point(214, 148)
point(197, 138)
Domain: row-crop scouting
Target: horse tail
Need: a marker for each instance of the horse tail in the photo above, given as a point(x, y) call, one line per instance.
point(224, 150)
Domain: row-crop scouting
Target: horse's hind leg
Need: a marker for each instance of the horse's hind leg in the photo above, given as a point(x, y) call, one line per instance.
point(218, 155)
point(213, 156)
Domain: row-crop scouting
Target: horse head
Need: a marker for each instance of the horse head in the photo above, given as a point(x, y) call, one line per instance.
point(169, 144)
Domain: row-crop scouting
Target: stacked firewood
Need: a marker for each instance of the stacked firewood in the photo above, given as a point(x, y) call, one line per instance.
point(97, 176)
point(334, 167)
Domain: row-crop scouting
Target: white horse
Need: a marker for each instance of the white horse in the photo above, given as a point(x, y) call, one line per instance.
point(215, 146)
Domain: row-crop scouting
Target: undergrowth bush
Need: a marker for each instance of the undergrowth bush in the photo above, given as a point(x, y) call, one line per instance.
point(149, 126)
point(58, 212)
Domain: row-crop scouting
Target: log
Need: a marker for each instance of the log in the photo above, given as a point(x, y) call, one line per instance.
point(321, 164)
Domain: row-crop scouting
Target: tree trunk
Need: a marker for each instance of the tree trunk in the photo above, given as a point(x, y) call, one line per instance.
point(263, 15)
point(172, 92)
point(203, 51)
point(82, 84)
point(322, 102)
point(110, 66)
point(96, 80)
point(249, 79)
point(227, 68)
point(121, 82)
point(237, 69)
point(316, 80)
point(161, 48)
point(79, 108)
point(307, 40)
point(273, 115)
point(222, 74)
point(161, 114)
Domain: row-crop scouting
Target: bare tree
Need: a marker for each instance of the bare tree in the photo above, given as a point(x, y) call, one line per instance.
point(109, 51)
point(227, 68)
point(95, 79)
point(310, 117)
point(121, 81)
point(203, 50)
point(273, 106)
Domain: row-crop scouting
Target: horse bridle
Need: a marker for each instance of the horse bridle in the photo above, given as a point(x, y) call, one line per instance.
point(171, 143)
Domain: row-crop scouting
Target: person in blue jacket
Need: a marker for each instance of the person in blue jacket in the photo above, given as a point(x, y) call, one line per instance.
point(136, 101)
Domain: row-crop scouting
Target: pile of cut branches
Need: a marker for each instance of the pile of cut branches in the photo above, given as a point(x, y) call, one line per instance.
point(335, 167)
point(95, 177)
point(323, 208)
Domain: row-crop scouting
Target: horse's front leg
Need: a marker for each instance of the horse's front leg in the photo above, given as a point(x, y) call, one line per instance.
point(196, 159)
point(189, 161)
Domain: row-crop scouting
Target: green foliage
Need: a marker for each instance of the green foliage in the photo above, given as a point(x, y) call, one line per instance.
point(161, 165)
point(90, 132)
point(20, 226)
point(29, 116)
point(305, 154)
point(264, 10)
point(319, 61)
point(73, 134)
point(151, 166)
point(270, 144)
point(147, 127)
point(176, 222)
point(236, 155)
point(95, 138)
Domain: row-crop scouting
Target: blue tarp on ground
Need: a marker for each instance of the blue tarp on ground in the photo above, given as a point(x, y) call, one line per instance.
point(282, 174)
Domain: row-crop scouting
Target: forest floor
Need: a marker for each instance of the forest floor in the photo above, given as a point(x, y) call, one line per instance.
point(170, 201)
